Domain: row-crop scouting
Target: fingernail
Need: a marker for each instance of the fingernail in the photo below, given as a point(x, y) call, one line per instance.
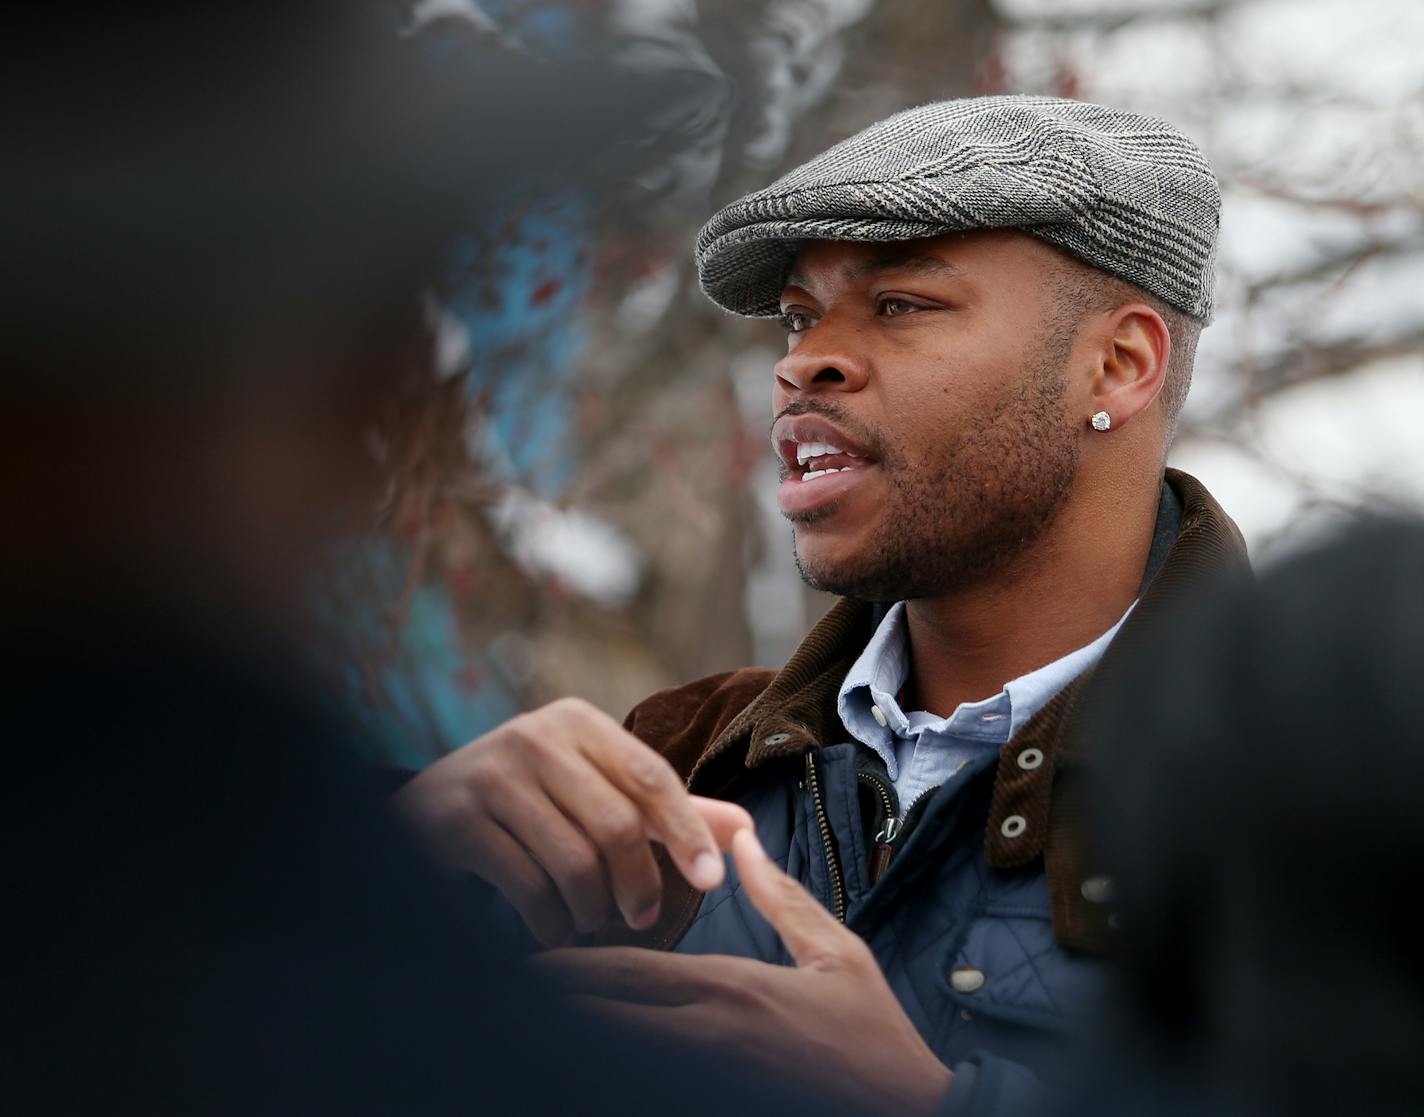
point(707, 871)
point(645, 918)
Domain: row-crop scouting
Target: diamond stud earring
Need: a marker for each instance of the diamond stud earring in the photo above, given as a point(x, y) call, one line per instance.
point(1102, 421)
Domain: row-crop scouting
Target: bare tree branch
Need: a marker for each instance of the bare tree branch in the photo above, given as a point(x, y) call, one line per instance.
point(1106, 22)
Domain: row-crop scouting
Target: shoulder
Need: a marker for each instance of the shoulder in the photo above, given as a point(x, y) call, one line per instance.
point(682, 721)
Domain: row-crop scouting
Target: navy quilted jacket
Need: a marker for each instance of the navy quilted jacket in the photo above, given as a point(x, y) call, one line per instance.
point(993, 945)
point(991, 935)
point(968, 949)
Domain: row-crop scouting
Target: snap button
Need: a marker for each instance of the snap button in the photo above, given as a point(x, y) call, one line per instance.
point(1098, 890)
point(967, 980)
point(1030, 758)
point(1013, 826)
point(777, 739)
point(879, 716)
point(965, 1014)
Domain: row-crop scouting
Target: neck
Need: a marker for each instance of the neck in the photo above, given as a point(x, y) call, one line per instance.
point(1070, 587)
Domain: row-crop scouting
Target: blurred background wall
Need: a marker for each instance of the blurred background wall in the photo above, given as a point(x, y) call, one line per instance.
point(593, 511)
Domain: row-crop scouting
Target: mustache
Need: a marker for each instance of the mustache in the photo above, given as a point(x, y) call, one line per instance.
point(838, 415)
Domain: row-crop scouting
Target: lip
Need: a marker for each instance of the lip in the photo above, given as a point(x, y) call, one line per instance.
point(791, 429)
point(797, 496)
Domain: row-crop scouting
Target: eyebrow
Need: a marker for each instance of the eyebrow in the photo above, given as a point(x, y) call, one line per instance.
point(921, 263)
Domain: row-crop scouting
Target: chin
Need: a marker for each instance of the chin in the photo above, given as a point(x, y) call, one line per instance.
point(841, 570)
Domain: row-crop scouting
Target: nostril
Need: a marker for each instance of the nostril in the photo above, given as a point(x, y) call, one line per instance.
point(829, 376)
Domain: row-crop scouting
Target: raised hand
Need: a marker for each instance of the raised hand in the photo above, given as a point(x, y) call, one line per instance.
point(831, 1021)
point(557, 809)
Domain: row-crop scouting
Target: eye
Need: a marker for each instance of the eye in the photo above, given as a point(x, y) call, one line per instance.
point(895, 308)
point(796, 321)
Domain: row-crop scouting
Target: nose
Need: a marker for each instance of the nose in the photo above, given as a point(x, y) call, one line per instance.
point(826, 358)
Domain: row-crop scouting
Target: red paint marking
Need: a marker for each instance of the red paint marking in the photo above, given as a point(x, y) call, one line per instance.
point(545, 291)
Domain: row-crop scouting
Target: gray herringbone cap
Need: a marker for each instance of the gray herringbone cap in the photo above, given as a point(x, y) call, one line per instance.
point(1128, 194)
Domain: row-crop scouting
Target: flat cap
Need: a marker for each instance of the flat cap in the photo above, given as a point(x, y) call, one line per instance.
point(1125, 193)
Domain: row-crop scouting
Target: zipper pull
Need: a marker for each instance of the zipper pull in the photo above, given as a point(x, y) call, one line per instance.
point(884, 848)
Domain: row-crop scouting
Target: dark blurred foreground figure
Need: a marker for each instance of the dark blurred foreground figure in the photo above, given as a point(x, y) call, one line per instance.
point(1260, 794)
point(223, 225)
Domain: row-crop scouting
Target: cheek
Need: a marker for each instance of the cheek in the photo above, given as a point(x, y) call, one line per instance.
point(928, 414)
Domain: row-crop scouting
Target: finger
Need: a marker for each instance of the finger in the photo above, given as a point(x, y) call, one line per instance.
point(650, 977)
point(562, 850)
point(649, 780)
point(810, 932)
point(723, 819)
point(521, 880)
point(615, 826)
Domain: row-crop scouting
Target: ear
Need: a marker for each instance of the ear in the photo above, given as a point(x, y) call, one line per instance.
point(1133, 363)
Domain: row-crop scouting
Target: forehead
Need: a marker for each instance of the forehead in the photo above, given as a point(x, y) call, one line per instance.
point(979, 254)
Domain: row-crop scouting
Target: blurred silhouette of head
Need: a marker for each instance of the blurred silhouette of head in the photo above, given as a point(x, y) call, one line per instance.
point(1259, 794)
point(227, 221)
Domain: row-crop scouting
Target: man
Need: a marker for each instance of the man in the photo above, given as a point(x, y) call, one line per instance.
point(992, 307)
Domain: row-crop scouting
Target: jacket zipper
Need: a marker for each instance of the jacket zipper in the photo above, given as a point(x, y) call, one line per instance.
point(884, 848)
point(833, 868)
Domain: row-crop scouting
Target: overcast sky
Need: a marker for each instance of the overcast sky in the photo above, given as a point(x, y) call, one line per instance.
point(1321, 99)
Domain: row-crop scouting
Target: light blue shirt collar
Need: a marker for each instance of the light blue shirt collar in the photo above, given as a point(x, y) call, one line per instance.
point(876, 678)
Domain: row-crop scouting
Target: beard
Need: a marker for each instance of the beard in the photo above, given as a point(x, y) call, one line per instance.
point(973, 507)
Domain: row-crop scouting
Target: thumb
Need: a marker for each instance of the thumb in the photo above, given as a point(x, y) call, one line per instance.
point(810, 932)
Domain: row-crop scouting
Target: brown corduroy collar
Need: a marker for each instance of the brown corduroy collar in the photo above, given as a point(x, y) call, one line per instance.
point(1032, 813)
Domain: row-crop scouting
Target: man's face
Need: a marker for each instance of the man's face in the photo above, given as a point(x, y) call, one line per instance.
point(938, 370)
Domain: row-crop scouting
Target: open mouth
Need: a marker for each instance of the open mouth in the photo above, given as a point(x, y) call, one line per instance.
point(810, 446)
point(818, 463)
point(818, 459)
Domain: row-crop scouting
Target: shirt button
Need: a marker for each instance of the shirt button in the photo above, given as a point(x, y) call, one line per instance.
point(1098, 890)
point(967, 980)
point(1013, 826)
point(879, 715)
point(1030, 759)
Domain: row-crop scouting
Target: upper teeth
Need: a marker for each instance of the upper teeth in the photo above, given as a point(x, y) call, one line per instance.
point(808, 450)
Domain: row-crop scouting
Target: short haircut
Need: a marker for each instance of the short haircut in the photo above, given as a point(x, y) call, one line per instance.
point(1083, 289)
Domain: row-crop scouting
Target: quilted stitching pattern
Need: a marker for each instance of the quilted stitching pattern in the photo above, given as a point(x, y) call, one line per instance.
point(965, 914)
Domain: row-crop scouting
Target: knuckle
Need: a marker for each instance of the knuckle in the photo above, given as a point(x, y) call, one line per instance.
point(649, 771)
point(527, 888)
point(618, 827)
point(484, 770)
point(516, 736)
point(570, 708)
point(578, 867)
